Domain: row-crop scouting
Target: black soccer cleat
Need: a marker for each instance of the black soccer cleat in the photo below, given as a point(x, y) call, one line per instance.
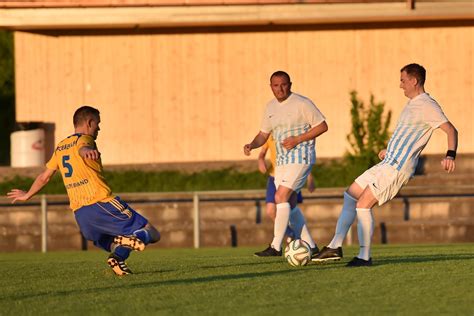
point(269, 252)
point(131, 242)
point(328, 255)
point(314, 252)
point(118, 266)
point(358, 262)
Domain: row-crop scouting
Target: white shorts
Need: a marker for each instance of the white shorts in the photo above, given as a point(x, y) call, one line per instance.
point(384, 181)
point(292, 176)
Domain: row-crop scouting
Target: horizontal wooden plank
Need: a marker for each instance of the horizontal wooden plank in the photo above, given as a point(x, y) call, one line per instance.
point(218, 15)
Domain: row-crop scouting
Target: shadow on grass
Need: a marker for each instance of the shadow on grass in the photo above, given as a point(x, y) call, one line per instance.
point(426, 258)
point(258, 261)
point(229, 277)
point(154, 284)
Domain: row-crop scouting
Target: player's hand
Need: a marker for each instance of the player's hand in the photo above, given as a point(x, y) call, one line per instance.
point(382, 154)
point(448, 164)
point(17, 195)
point(290, 142)
point(262, 166)
point(93, 154)
point(247, 149)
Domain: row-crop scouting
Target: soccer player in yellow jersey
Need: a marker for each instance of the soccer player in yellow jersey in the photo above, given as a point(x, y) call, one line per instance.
point(297, 220)
point(102, 218)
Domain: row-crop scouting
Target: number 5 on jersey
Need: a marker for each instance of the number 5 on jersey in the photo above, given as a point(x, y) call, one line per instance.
point(68, 166)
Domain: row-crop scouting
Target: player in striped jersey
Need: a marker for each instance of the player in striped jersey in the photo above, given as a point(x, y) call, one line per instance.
point(102, 218)
point(420, 117)
point(269, 146)
point(294, 122)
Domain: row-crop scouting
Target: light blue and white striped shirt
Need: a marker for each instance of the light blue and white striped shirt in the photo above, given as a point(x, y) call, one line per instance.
point(420, 117)
point(292, 117)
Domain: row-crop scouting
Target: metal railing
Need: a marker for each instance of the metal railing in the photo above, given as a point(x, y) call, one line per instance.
point(198, 197)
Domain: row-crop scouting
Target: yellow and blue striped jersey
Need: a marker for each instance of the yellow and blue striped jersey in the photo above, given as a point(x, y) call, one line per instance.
point(82, 178)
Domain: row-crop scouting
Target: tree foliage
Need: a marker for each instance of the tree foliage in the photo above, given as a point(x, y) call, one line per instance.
point(369, 133)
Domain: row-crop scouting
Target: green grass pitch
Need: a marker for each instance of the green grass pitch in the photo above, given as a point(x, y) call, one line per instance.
point(405, 280)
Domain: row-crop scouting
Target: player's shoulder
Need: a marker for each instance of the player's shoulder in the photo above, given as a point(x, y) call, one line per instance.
point(427, 100)
point(84, 137)
point(85, 140)
point(301, 98)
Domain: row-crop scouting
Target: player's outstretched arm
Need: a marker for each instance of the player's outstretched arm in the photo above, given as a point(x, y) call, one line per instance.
point(448, 163)
point(258, 141)
point(89, 153)
point(38, 184)
point(314, 132)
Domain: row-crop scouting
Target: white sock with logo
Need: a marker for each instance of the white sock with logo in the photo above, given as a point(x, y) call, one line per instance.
point(281, 222)
point(298, 224)
point(346, 218)
point(365, 230)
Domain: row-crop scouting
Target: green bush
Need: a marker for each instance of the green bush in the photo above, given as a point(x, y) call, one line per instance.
point(369, 133)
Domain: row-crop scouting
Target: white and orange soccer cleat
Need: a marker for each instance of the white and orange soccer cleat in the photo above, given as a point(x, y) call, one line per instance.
point(118, 266)
point(131, 242)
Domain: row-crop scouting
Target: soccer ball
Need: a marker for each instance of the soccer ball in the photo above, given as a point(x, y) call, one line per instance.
point(298, 253)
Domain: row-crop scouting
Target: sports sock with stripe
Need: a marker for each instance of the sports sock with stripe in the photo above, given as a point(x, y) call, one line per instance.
point(345, 220)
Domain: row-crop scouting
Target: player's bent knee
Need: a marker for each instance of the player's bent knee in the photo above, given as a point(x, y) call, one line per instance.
point(155, 235)
point(280, 198)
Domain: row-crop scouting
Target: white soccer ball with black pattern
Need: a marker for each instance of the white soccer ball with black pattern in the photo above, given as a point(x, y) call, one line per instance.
point(298, 253)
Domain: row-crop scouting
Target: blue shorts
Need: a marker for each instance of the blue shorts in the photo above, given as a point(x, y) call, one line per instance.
point(113, 218)
point(271, 190)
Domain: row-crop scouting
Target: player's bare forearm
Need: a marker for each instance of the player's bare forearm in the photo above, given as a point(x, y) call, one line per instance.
point(448, 163)
point(452, 135)
point(262, 166)
point(314, 132)
point(257, 142)
point(40, 181)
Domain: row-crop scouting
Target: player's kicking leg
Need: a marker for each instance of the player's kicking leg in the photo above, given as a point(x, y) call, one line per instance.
point(123, 245)
point(333, 251)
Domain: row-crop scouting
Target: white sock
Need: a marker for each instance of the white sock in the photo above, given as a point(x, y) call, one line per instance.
point(298, 224)
point(365, 229)
point(281, 222)
point(348, 214)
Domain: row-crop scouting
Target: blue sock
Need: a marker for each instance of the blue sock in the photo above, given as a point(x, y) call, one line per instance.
point(290, 233)
point(122, 252)
point(104, 242)
point(143, 235)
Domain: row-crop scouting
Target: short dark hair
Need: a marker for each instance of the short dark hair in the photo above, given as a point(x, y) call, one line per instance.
point(83, 113)
point(280, 73)
point(417, 71)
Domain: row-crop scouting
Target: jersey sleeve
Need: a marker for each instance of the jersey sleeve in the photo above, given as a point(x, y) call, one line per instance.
point(433, 115)
point(85, 140)
point(52, 163)
point(312, 114)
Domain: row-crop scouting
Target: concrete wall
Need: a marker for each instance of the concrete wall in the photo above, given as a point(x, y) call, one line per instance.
point(414, 217)
point(185, 95)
